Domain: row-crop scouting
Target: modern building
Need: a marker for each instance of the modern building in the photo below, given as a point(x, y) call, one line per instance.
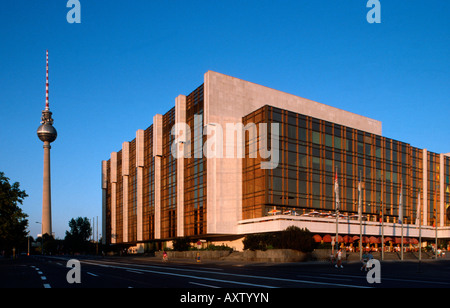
point(153, 195)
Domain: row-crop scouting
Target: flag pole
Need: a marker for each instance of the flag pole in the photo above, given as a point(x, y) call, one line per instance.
point(382, 218)
point(436, 227)
point(420, 229)
point(400, 214)
point(360, 216)
point(336, 190)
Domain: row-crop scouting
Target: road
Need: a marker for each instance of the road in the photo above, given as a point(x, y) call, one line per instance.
point(142, 272)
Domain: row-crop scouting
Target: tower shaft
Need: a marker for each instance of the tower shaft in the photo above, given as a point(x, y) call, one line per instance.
point(46, 193)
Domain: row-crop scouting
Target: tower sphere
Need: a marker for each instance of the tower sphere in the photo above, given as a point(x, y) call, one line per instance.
point(46, 132)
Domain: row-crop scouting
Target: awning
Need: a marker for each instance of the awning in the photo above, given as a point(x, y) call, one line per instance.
point(374, 240)
point(348, 239)
point(414, 241)
point(327, 238)
point(274, 212)
point(317, 238)
point(398, 240)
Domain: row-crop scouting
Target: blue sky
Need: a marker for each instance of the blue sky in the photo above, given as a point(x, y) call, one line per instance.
point(128, 60)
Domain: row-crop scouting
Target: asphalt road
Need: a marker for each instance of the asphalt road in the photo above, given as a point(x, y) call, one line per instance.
point(142, 272)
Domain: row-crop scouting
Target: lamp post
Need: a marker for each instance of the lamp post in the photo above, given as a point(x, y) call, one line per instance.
point(42, 239)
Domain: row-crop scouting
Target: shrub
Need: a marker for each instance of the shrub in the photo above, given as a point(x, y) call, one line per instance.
point(295, 238)
point(291, 238)
point(181, 244)
point(218, 247)
point(260, 241)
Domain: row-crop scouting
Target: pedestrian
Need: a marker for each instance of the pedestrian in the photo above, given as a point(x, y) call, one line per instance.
point(339, 259)
point(165, 259)
point(365, 258)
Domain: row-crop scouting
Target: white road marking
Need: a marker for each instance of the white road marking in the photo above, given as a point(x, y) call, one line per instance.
point(136, 272)
point(165, 268)
point(204, 285)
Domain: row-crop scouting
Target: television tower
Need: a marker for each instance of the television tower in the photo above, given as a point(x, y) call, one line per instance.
point(47, 134)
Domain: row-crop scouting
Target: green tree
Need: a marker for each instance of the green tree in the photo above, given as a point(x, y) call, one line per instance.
point(76, 239)
point(13, 222)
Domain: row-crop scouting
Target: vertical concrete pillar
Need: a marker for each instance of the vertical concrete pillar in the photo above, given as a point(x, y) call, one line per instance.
point(425, 186)
point(180, 118)
point(113, 196)
point(104, 193)
point(46, 193)
point(441, 190)
point(125, 181)
point(157, 153)
point(140, 183)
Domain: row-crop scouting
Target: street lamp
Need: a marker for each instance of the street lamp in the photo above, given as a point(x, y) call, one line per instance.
point(42, 239)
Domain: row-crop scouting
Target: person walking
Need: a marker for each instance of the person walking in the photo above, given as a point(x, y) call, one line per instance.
point(365, 258)
point(339, 259)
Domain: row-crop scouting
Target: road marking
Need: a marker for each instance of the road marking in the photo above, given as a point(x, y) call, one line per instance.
point(186, 276)
point(92, 274)
point(40, 273)
point(165, 268)
point(329, 278)
point(136, 272)
point(43, 278)
point(206, 268)
point(204, 285)
point(393, 279)
point(47, 286)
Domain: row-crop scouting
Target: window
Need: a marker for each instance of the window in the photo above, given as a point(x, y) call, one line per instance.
point(316, 137)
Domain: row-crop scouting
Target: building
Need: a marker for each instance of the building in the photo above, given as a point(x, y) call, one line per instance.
point(153, 195)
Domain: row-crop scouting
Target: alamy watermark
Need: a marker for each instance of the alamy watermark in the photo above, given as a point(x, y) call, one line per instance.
point(74, 274)
point(228, 141)
point(374, 274)
point(74, 14)
point(374, 14)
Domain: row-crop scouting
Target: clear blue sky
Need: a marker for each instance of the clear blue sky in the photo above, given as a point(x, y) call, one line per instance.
point(128, 60)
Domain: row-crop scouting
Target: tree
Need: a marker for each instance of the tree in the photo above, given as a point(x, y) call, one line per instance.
point(259, 241)
point(13, 222)
point(76, 239)
point(181, 244)
point(295, 238)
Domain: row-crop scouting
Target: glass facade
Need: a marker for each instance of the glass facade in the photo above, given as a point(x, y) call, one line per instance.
point(148, 219)
point(194, 182)
point(168, 180)
point(195, 168)
point(312, 151)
